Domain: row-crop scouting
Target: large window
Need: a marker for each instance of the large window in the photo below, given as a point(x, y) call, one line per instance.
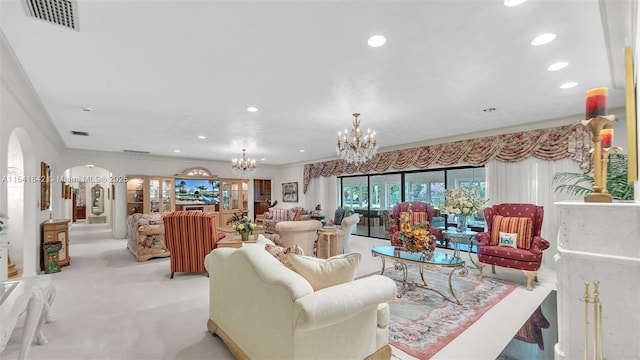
point(373, 196)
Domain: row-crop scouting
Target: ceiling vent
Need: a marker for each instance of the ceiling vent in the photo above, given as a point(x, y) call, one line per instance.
point(79, 133)
point(61, 12)
point(136, 151)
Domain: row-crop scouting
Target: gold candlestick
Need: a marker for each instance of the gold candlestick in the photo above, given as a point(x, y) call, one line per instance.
point(586, 319)
point(596, 124)
point(605, 165)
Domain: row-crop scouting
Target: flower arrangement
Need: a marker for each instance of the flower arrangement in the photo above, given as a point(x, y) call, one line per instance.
point(462, 201)
point(416, 237)
point(243, 225)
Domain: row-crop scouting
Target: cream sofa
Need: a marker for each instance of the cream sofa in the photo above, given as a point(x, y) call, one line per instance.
point(303, 233)
point(263, 310)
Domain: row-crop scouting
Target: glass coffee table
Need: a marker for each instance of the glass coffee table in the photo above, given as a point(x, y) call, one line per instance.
point(403, 258)
point(456, 238)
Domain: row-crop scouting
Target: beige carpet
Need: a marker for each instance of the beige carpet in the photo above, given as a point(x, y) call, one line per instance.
point(109, 306)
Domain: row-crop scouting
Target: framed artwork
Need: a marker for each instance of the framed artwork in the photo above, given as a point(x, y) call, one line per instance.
point(290, 192)
point(67, 192)
point(45, 186)
point(63, 191)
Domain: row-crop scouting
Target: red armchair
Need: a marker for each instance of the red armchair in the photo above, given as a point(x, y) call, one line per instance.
point(527, 256)
point(421, 210)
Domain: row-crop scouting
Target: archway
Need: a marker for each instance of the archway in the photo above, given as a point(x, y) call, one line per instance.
point(92, 199)
point(21, 192)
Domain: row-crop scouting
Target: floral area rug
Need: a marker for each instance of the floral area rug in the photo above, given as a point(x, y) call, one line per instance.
point(423, 321)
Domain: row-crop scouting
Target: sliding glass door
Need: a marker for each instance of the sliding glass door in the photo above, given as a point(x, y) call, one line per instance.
point(373, 196)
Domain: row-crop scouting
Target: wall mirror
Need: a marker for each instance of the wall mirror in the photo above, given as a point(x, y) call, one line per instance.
point(97, 200)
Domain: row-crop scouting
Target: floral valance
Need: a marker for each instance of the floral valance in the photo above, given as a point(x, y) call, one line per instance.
point(569, 141)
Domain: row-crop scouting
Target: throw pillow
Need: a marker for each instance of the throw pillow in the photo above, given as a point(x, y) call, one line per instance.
point(507, 239)
point(418, 217)
point(323, 273)
point(523, 226)
point(280, 253)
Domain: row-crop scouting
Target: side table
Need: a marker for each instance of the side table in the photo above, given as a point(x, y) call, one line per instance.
point(327, 234)
point(456, 238)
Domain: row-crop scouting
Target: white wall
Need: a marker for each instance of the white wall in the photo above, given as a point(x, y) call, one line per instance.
point(23, 116)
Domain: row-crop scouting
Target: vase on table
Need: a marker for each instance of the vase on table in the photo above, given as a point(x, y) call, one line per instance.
point(461, 223)
point(245, 236)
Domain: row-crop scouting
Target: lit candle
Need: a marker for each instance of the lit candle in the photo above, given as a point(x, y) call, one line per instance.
point(596, 102)
point(606, 137)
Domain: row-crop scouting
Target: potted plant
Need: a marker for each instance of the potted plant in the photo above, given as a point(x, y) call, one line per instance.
point(582, 184)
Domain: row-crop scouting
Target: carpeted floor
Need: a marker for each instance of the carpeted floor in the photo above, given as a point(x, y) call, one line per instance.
point(426, 319)
point(109, 306)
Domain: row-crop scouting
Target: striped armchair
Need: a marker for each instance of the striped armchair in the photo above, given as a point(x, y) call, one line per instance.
point(190, 236)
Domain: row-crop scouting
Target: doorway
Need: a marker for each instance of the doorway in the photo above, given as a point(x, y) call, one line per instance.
point(261, 196)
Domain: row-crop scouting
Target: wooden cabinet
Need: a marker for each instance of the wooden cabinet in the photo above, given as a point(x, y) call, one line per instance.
point(56, 230)
point(150, 194)
point(233, 198)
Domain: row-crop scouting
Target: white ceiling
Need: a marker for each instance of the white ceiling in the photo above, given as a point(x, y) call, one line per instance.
point(159, 73)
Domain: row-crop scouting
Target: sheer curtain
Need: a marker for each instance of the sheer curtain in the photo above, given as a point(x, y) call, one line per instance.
point(530, 181)
point(324, 191)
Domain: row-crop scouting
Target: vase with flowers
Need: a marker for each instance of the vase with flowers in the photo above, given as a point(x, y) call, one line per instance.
point(242, 225)
point(414, 237)
point(462, 202)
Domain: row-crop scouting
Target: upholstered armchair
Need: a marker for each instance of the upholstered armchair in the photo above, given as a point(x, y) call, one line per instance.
point(190, 236)
point(303, 233)
point(420, 211)
point(496, 246)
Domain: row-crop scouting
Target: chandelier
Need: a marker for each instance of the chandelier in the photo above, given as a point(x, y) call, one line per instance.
point(243, 167)
point(355, 149)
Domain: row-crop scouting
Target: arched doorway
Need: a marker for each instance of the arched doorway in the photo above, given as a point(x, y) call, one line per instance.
point(92, 200)
point(22, 236)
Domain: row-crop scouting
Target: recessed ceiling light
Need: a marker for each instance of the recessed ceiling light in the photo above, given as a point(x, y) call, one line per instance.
point(513, 2)
point(557, 66)
point(489, 109)
point(252, 109)
point(543, 39)
point(377, 40)
point(263, 159)
point(301, 150)
point(201, 137)
point(176, 151)
point(568, 85)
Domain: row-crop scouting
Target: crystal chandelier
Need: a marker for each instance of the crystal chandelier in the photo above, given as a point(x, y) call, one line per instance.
point(355, 149)
point(243, 167)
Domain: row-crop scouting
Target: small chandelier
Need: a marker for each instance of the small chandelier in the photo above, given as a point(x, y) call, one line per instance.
point(243, 167)
point(355, 149)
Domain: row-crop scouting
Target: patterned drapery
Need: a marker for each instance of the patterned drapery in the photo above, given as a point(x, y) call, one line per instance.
point(569, 141)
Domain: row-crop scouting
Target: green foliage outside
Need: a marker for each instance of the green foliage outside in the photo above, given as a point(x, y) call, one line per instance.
point(582, 184)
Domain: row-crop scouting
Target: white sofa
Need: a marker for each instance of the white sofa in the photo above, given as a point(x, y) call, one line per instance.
point(263, 310)
point(303, 233)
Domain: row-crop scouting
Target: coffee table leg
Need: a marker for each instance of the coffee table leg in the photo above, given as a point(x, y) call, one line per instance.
point(422, 275)
point(463, 272)
point(402, 266)
point(470, 258)
point(382, 271)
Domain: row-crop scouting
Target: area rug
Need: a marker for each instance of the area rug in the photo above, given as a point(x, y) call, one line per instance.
point(423, 321)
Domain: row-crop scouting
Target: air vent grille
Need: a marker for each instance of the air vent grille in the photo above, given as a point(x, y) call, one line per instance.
point(80, 133)
point(136, 151)
point(61, 12)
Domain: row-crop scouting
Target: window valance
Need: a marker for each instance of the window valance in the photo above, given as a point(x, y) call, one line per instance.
point(569, 141)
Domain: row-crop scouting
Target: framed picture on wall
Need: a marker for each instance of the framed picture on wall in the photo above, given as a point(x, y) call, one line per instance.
point(45, 186)
point(67, 192)
point(290, 192)
point(63, 191)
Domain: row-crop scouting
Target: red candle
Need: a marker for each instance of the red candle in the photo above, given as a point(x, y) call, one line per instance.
point(606, 137)
point(596, 102)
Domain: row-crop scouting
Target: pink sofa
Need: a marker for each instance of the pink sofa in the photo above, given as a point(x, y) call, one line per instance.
point(527, 260)
point(274, 216)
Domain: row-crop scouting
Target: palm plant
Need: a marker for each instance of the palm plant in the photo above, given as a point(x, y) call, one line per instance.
point(582, 184)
